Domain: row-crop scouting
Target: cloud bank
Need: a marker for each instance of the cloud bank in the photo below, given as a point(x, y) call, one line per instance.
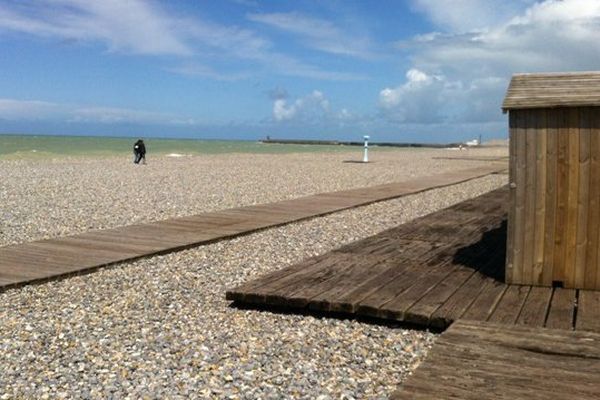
point(36, 110)
point(313, 106)
point(146, 28)
point(460, 73)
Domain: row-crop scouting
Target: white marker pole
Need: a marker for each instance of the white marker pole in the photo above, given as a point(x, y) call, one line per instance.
point(366, 153)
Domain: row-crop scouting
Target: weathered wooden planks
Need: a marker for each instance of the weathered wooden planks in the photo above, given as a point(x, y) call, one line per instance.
point(45, 259)
point(475, 360)
point(432, 271)
point(561, 312)
point(554, 214)
point(588, 316)
point(552, 90)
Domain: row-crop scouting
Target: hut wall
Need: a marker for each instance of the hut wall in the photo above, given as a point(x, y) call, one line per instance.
point(554, 215)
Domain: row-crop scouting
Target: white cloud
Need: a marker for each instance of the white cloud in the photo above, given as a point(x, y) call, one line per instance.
point(282, 112)
point(419, 99)
point(468, 15)
point(204, 71)
point(130, 26)
point(19, 110)
point(473, 62)
point(428, 99)
point(313, 106)
point(553, 35)
point(111, 115)
point(143, 27)
point(291, 67)
point(11, 109)
point(317, 33)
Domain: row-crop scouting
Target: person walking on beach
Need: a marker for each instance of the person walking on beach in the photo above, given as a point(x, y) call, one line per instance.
point(139, 151)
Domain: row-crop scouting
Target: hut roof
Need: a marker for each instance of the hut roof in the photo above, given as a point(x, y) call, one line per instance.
point(565, 89)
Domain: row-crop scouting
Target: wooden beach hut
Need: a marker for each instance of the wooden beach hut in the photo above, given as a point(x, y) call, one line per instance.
point(554, 213)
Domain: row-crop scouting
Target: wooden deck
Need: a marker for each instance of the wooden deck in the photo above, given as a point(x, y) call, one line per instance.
point(474, 360)
point(47, 259)
point(430, 272)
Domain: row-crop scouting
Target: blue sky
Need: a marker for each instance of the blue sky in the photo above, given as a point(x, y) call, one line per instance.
point(414, 70)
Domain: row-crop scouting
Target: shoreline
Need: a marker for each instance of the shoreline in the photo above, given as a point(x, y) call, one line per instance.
point(50, 147)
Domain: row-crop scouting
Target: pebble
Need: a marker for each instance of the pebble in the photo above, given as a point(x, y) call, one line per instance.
point(160, 327)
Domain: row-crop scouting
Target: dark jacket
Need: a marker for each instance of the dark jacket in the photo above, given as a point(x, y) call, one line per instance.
point(139, 147)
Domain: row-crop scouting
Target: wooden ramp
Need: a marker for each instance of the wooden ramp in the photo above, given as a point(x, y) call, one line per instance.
point(430, 272)
point(45, 259)
point(474, 360)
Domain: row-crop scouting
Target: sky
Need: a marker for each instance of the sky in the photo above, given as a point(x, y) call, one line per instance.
point(404, 71)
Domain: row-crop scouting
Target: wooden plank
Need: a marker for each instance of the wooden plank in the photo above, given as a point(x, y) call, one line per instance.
point(551, 342)
point(245, 292)
point(485, 303)
point(447, 229)
point(581, 241)
point(593, 253)
point(457, 280)
point(375, 302)
point(58, 255)
point(540, 196)
point(337, 293)
point(398, 250)
point(103, 242)
point(551, 196)
point(509, 307)
point(536, 307)
point(280, 292)
point(257, 291)
point(512, 167)
point(376, 280)
point(475, 360)
point(454, 307)
point(588, 311)
point(7, 279)
point(529, 217)
point(397, 308)
point(562, 309)
point(572, 201)
point(99, 248)
point(168, 234)
point(520, 198)
point(28, 266)
point(422, 311)
point(44, 264)
point(301, 292)
point(526, 92)
point(562, 196)
point(350, 301)
point(27, 273)
point(149, 243)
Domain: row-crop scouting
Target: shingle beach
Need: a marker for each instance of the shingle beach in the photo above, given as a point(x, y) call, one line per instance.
point(160, 327)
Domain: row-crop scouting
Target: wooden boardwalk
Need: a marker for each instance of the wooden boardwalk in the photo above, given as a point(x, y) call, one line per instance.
point(430, 272)
point(474, 360)
point(47, 259)
point(473, 158)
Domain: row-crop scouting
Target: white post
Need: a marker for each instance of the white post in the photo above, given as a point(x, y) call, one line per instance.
point(366, 153)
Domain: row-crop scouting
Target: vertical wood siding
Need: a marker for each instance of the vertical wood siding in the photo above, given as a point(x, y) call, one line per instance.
point(554, 217)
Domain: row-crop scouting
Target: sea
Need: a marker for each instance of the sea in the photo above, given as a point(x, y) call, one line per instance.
point(41, 146)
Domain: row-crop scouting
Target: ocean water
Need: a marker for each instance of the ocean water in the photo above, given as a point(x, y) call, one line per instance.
point(26, 146)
